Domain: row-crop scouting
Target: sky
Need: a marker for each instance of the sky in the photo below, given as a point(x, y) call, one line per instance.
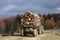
point(14, 7)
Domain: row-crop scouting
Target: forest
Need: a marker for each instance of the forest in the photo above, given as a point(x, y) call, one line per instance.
point(48, 21)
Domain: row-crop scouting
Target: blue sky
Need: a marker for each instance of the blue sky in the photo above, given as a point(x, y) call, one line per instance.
point(14, 7)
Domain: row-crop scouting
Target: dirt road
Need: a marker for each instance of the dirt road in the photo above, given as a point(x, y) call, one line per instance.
point(21, 38)
point(49, 35)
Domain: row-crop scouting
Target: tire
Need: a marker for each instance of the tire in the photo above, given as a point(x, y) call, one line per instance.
point(22, 32)
point(41, 30)
point(35, 33)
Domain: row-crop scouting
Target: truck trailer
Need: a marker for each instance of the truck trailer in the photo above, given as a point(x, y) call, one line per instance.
point(31, 24)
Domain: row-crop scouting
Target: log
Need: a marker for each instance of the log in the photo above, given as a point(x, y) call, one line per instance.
point(30, 20)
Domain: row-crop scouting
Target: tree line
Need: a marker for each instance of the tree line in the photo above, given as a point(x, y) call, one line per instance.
point(9, 24)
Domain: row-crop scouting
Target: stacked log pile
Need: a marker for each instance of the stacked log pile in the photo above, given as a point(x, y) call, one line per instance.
point(30, 20)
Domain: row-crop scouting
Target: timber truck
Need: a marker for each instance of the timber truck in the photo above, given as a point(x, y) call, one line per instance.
point(31, 24)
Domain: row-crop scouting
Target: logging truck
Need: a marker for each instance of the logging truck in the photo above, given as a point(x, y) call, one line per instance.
point(31, 24)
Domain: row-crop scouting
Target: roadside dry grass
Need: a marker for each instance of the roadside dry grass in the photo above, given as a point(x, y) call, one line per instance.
point(51, 37)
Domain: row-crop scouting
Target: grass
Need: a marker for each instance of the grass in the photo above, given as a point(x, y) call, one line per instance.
point(51, 37)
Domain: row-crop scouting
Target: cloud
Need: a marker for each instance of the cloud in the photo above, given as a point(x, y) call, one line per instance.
point(58, 9)
point(9, 7)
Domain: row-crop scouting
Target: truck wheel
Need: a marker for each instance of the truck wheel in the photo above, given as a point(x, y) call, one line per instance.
point(41, 30)
point(35, 33)
point(22, 33)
